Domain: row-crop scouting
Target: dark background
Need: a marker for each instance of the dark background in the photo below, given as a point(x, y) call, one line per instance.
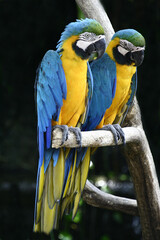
point(27, 30)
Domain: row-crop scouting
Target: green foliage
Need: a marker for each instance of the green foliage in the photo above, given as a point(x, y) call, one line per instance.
point(65, 236)
point(80, 14)
point(124, 177)
point(105, 237)
point(118, 217)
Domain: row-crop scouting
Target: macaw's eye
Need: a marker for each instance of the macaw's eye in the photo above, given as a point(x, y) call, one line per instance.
point(87, 35)
point(125, 45)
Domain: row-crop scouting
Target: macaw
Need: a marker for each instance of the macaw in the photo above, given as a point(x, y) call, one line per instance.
point(124, 54)
point(115, 83)
point(63, 94)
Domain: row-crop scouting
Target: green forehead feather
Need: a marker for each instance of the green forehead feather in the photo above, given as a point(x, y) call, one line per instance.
point(94, 27)
point(132, 36)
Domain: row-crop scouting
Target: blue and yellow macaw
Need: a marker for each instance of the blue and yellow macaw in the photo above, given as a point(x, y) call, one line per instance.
point(124, 53)
point(115, 83)
point(62, 97)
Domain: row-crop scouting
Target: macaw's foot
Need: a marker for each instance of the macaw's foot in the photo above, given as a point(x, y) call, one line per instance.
point(116, 131)
point(77, 133)
point(64, 129)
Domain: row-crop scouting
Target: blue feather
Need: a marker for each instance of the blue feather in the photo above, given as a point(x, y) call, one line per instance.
point(41, 147)
point(51, 88)
point(104, 76)
point(68, 163)
point(55, 156)
point(48, 135)
point(47, 157)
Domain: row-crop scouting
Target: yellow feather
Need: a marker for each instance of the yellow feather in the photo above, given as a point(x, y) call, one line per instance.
point(71, 185)
point(65, 202)
point(47, 214)
point(67, 182)
point(85, 168)
point(49, 182)
point(37, 226)
point(41, 182)
point(74, 105)
point(123, 91)
point(39, 199)
point(76, 203)
point(67, 151)
point(77, 190)
point(58, 176)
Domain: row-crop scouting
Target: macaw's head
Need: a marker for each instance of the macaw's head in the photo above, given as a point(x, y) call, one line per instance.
point(127, 47)
point(88, 39)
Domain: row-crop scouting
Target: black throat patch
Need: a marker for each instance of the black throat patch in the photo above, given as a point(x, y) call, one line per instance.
point(122, 59)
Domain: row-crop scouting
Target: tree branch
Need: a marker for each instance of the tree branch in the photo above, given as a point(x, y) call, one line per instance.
point(96, 138)
point(93, 196)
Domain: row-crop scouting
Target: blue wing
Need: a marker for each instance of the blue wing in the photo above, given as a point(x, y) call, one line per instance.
point(104, 76)
point(50, 90)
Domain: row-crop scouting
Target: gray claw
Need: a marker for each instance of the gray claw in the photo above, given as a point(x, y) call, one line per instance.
point(116, 131)
point(64, 129)
point(77, 133)
point(121, 133)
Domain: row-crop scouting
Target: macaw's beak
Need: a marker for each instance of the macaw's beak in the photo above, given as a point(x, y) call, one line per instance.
point(98, 48)
point(137, 57)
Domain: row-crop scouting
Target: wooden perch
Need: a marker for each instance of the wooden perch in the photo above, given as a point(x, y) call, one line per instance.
point(93, 196)
point(96, 138)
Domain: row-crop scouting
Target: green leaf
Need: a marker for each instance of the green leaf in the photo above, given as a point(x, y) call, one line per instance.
point(65, 236)
point(123, 177)
point(78, 217)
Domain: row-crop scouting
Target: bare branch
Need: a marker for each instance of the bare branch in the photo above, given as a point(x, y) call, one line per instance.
point(97, 138)
point(95, 197)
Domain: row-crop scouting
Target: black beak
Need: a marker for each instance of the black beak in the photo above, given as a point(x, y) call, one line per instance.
point(137, 57)
point(97, 49)
point(100, 47)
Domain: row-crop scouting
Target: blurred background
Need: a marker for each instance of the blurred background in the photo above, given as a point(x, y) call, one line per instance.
point(27, 30)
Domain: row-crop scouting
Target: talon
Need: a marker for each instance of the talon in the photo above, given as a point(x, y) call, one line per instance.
point(116, 131)
point(64, 129)
point(77, 133)
point(120, 131)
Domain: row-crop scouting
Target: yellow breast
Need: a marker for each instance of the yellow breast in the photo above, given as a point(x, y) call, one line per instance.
point(76, 77)
point(124, 77)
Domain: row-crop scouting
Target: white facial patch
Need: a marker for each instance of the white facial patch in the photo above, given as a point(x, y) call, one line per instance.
point(84, 41)
point(122, 50)
point(83, 44)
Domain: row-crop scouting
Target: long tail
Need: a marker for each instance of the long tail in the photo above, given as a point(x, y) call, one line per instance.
point(60, 182)
point(76, 181)
point(48, 193)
